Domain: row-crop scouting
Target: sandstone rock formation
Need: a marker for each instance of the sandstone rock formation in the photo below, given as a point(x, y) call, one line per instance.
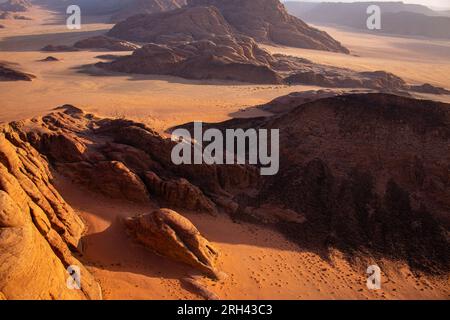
point(369, 172)
point(264, 20)
point(198, 42)
point(8, 72)
point(175, 26)
point(195, 285)
point(194, 43)
point(268, 21)
point(344, 78)
point(49, 59)
point(428, 88)
point(104, 42)
point(238, 59)
point(364, 173)
point(127, 160)
point(293, 100)
point(38, 230)
point(169, 234)
point(133, 7)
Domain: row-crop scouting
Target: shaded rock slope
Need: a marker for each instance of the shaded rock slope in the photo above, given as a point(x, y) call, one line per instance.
point(40, 233)
point(104, 42)
point(198, 42)
point(38, 230)
point(268, 21)
point(9, 72)
point(369, 172)
point(264, 20)
point(133, 7)
point(170, 234)
point(365, 173)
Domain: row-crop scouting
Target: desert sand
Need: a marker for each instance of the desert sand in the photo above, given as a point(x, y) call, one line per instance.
point(260, 263)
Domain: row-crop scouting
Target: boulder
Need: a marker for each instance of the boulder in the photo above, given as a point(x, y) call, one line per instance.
point(169, 234)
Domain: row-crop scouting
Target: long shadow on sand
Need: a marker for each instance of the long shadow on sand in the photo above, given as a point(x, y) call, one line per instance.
point(35, 42)
point(113, 250)
point(94, 71)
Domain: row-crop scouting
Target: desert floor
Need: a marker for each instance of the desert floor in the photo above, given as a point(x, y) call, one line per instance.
point(260, 263)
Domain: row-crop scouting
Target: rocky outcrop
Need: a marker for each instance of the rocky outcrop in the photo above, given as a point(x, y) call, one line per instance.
point(293, 100)
point(133, 7)
point(169, 234)
point(38, 229)
point(127, 160)
point(179, 193)
point(238, 59)
point(40, 233)
point(195, 43)
point(364, 173)
point(369, 172)
point(176, 26)
point(264, 20)
point(199, 42)
point(268, 21)
point(345, 78)
point(49, 59)
point(8, 72)
point(428, 88)
point(196, 286)
point(104, 42)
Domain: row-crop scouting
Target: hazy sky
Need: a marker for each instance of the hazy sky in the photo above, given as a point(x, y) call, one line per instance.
point(429, 3)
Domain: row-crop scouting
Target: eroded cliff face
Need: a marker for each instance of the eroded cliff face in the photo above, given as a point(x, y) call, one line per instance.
point(133, 7)
point(366, 174)
point(370, 174)
point(216, 40)
point(118, 158)
point(39, 232)
point(268, 21)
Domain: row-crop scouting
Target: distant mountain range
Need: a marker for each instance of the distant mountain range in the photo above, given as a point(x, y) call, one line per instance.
point(397, 17)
